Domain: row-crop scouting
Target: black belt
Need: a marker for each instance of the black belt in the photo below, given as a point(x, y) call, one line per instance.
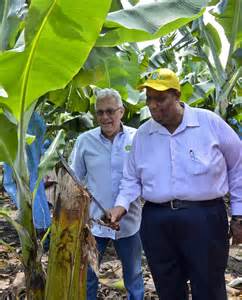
point(177, 203)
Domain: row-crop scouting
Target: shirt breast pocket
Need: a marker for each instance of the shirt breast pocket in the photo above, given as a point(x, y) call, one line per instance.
point(198, 163)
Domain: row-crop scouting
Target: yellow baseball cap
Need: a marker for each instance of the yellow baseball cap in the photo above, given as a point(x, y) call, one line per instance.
point(162, 80)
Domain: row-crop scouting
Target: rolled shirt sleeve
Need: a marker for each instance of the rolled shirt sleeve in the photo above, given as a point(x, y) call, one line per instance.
point(230, 145)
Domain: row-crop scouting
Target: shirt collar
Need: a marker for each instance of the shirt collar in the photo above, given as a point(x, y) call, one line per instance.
point(190, 116)
point(122, 131)
point(190, 119)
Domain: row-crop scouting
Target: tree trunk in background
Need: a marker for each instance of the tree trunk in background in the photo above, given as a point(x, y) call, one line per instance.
point(66, 276)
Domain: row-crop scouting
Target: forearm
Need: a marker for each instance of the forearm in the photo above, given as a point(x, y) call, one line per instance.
point(130, 190)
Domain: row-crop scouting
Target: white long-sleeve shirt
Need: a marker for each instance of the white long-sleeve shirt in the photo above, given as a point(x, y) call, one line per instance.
point(201, 160)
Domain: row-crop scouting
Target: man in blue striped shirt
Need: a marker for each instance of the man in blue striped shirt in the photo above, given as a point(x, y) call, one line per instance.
point(97, 158)
point(183, 161)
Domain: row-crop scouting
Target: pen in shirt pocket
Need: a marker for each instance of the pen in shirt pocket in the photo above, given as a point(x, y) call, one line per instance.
point(192, 155)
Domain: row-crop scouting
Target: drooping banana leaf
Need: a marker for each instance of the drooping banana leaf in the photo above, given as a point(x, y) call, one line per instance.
point(50, 158)
point(59, 37)
point(229, 15)
point(214, 38)
point(149, 21)
point(22, 232)
point(110, 67)
point(200, 92)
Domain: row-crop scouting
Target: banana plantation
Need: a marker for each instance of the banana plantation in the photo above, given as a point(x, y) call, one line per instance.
point(54, 56)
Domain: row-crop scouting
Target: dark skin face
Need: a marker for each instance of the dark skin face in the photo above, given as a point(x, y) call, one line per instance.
point(165, 107)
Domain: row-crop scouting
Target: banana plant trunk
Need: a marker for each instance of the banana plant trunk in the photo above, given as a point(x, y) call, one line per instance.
point(66, 275)
point(35, 277)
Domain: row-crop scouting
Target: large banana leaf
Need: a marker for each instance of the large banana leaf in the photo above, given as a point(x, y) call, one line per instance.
point(227, 13)
point(8, 140)
point(150, 21)
point(11, 13)
point(110, 67)
point(214, 38)
point(59, 37)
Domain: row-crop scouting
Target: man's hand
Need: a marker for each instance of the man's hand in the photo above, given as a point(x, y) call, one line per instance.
point(116, 213)
point(236, 231)
point(113, 216)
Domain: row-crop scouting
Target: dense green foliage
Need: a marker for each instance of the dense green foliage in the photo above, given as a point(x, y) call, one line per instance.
point(55, 54)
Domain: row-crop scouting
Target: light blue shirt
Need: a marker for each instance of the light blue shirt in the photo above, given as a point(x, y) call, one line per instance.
point(99, 162)
point(201, 160)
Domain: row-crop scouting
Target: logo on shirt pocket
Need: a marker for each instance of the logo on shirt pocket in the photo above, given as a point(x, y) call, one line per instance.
point(127, 148)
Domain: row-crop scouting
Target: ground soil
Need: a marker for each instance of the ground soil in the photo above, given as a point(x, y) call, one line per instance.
point(111, 286)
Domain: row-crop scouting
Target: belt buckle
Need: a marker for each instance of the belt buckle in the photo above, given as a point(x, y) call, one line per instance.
point(173, 206)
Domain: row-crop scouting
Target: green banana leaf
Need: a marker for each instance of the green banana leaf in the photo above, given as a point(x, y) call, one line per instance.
point(200, 93)
point(22, 232)
point(71, 97)
point(214, 37)
point(8, 140)
point(112, 67)
point(58, 97)
point(116, 5)
point(133, 2)
point(75, 102)
point(11, 13)
point(149, 21)
point(50, 158)
point(226, 13)
point(237, 55)
point(186, 91)
point(59, 37)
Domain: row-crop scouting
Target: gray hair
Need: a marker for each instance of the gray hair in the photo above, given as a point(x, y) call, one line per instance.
point(109, 93)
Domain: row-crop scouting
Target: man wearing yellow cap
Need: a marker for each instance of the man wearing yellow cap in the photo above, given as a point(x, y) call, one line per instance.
point(183, 161)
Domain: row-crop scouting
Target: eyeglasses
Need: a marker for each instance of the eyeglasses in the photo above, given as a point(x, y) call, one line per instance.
point(108, 111)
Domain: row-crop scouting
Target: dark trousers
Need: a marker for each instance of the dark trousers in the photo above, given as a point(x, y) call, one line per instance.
point(186, 244)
